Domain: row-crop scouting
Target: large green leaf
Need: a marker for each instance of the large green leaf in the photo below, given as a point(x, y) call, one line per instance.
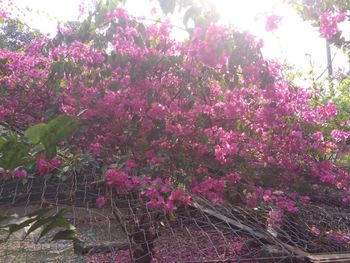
point(39, 213)
point(70, 234)
point(36, 220)
point(15, 227)
point(13, 152)
point(52, 133)
point(48, 220)
point(33, 133)
point(56, 131)
point(56, 222)
point(2, 140)
point(39, 223)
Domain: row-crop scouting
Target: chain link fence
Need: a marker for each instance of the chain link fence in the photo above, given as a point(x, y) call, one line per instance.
point(126, 230)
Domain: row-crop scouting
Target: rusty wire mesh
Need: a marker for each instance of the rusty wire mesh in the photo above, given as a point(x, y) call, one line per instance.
point(126, 230)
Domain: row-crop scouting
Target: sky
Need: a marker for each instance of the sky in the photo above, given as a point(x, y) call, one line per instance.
point(295, 41)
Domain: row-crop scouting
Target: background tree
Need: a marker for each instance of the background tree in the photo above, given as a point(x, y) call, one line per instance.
point(166, 119)
point(14, 35)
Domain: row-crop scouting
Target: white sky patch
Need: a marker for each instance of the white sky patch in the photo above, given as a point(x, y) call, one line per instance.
point(294, 42)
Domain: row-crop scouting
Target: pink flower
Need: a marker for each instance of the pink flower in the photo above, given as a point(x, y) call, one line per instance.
point(318, 136)
point(115, 178)
point(207, 50)
point(287, 204)
point(275, 217)
point(202, 170)
point(95, 148)
point(154, 11)
point(20, 173)
point(3, 113)
point(267, 196)
point(157, 111)
point(45, 167)
point(156, 159)
point(130, 165)
point(101, 201)
point(169, 206)
point(233, 177)
point(327, 112)
point(346, 198)
point(329, 24)
point(174, 129)
point(210, 188)
point(165, 187)
point(316, 231)
point(203, 149)
point(305, 199)
point(340, 136)
point(121, 180)
point(177, 194)
point(177, 107)
point(272, 22)
point(252, 200)
point(186, 200)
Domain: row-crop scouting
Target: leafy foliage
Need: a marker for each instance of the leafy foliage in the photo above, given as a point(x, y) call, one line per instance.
point(16, 151)
point(39, 220)
point(14, 34)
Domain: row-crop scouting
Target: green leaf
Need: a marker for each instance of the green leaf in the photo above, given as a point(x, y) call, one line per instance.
point(56, 131)
point(38, 224)
point(13, 152)
point(33, 133)
point(39, 213)
point(56, 222)
point(31, 217)
point(48, 220)
point(51, 151)
point(70, 234)
point(15, 227)
point(2, 140)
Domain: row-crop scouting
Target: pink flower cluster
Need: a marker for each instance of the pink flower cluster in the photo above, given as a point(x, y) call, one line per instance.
point(327, 112)
point(205, 46)
point(45, 166)
point(211, 188)
point(275, 217)
point(121, 180)
point(272, 22)
point(281, 201)
point(157, 192)
point(19, 173)
point(101, 201)
point(329, 24)
point(176, 109)
point(214, 189)
point(340, 136)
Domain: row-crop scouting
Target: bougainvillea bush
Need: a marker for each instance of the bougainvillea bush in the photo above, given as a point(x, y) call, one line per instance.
point(167, 119)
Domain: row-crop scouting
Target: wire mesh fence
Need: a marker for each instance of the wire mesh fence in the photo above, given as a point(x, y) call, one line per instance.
point(126, 230)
